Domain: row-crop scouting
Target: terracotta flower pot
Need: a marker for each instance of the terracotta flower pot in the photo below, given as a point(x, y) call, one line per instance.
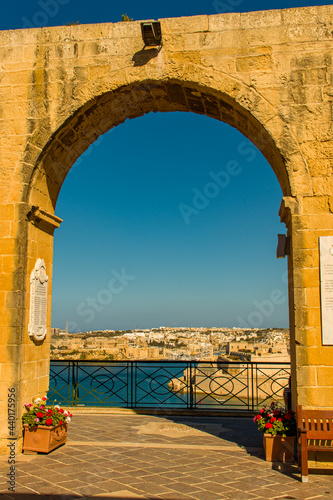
point(278, 448)
point(43, 438)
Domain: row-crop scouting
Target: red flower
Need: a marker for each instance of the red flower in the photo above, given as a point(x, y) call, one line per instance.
point(262, 410)
point(268, 425)
point(49, 421)
point(60, 422)
point(273, 419)
point(287, 416)
point(39, 414)
point(279, 419)
point(44, 398)
point(49, 412)
point(61, 410)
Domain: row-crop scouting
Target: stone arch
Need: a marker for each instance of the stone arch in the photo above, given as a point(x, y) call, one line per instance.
point(225, 99)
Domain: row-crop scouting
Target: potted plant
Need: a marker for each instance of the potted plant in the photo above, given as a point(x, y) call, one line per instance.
point(279, 428)
point(45, 428)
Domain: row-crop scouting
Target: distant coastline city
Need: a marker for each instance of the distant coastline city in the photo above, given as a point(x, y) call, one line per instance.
point(205, 344)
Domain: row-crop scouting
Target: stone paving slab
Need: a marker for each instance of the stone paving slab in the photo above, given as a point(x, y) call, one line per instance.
point(156, 458)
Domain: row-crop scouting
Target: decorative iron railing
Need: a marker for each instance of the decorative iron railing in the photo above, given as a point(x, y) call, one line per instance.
point(168, 384)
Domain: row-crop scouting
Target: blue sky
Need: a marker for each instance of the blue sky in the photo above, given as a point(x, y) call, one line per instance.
point(152, 238)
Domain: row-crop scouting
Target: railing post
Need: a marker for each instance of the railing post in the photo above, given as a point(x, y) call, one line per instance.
point(252, 385)
point(191, 386)
point(133, 383)
point(75, 387)
point(73, 381)
point(132, 386)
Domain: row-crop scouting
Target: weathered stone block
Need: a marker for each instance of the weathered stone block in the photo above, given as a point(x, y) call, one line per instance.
point(315, 205)
point(7, 212)
point(307, 317)
point(312, 297)
point(181, 25)
point(307, 376)
point(254, 63)
point(229, 21)
point(304, 258)
point(320, 167)
point(307, 277)
point(325, 376)
point(317, 356)
point(308, 336)
point(269, 18)
point(29, 370)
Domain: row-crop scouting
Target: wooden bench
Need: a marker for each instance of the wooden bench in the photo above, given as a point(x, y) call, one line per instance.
point(314, 433)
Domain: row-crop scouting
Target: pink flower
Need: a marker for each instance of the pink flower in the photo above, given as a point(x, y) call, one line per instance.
point(36, 419)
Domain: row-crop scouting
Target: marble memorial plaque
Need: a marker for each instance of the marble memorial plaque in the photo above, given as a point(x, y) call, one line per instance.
point(326, 288)
point(38, 301)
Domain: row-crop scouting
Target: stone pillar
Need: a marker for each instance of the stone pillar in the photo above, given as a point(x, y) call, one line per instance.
point(24, 360)
point(308, 218)
point(12, 270)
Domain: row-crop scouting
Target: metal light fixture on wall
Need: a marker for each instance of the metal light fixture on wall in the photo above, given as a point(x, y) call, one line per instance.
point(283, 247)
point(151, 33)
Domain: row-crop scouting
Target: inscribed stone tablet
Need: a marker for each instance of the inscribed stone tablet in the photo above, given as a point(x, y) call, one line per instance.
point(326, 288)
point(38, 301)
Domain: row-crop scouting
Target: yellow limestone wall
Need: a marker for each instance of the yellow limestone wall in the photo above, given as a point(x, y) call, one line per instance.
point(269, 74)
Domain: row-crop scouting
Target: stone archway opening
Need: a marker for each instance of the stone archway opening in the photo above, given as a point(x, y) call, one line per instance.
point(86, 198)
point(108, 110)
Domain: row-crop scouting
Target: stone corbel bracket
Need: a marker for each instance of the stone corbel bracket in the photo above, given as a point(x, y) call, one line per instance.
point(289, 206)
point(43, 220)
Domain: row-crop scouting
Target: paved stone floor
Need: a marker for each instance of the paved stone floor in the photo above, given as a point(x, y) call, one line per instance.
point(153, 457)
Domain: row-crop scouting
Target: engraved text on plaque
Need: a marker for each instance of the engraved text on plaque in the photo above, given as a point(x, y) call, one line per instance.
point(326, 288)
point(38, 301)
